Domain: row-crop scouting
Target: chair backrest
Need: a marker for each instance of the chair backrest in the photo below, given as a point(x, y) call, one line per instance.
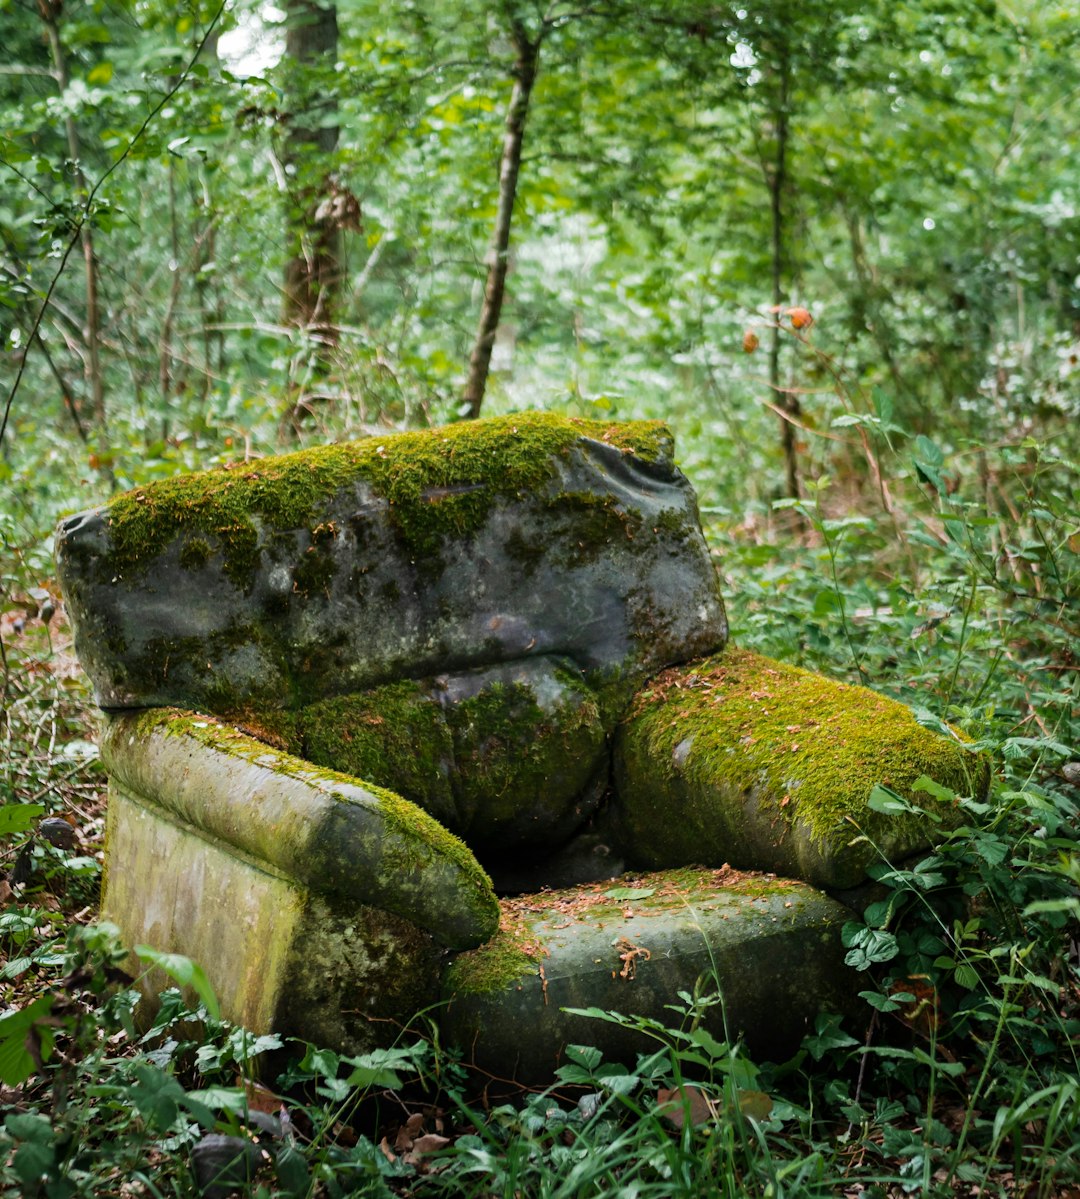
point(285, 580)
point(504, 586)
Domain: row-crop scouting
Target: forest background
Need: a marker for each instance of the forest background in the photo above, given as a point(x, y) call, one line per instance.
point(835, 245)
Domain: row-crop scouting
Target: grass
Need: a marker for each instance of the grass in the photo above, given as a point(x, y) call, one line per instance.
point(966, 1082)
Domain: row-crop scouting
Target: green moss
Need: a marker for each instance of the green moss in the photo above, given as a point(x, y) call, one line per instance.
point(315, 572)
point(518, 950)
point(418, 828)
point(597, 521)
point(500, 963)
point(195, 553)
point(811, 746)
point(496, 766)
point(160, 660)
point(518, 764)
point(414, 825)
point(437, 483)
point(394, 736)
point(674, 525)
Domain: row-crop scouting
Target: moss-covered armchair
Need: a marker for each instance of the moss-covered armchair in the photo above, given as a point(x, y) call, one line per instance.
point(345, 689)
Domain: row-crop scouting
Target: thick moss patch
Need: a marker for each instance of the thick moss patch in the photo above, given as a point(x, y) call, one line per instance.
point(525, 765)
point(437, 482)
point(508, 757)
point(743, 759)
point(415, 827)
point(395, 736)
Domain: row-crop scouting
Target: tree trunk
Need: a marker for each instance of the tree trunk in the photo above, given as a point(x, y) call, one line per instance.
point(313, 270)
point(777, 182)
point(92, 330)
point(526, 64)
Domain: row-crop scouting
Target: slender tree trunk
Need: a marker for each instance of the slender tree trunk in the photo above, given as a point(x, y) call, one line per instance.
point(872, 291)
point(92, 330)
point(526, 65)
point(777, 182)
point(313, 270)
point(165, 350)
point(207, 296)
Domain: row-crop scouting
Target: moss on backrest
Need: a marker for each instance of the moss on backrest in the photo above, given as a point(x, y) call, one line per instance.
point(465, 467)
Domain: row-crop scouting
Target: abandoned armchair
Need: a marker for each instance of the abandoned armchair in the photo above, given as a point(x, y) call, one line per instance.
point(347, 688)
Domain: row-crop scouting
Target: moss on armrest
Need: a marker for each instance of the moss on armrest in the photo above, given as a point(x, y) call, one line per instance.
point(331, 832)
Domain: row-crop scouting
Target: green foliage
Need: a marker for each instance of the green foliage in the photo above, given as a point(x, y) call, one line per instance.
point(933, 553)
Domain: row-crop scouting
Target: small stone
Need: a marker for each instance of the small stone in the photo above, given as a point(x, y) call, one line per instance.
point(223, 1163)
point(57, 832)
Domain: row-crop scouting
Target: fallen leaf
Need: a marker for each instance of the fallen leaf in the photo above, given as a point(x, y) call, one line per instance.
point(675, 1105)
point(430, 1142)
point(756, 1104)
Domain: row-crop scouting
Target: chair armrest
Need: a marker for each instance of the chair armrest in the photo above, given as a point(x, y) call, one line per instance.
point(329, 831)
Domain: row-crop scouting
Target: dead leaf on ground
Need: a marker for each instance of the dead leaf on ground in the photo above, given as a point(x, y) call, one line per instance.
point(675, 1105)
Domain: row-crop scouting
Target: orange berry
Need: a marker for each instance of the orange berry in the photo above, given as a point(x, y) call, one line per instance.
point(800, 318)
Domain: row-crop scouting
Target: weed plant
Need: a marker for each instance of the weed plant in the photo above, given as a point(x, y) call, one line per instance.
point(944, 576)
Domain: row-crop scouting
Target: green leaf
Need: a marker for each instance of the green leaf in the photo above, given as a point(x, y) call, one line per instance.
point(373, 1076)
point(929, 451)
point(30, 1127)
point(183, 971)
point(927, 784)
point(583, 1055)
point(718, 1050)
point(886, 800)
point(32, 1162)
point(868, 946)
point(827, 1035)
point(16, 1061)
point(323, 1062)
point(618, 1083)
point(156, 1096)
point(101, 74)
point(630, 892)
point(966, 976)
point(883, 1003)
point(219, 1099)
point(18, 817)
point(293, 1174)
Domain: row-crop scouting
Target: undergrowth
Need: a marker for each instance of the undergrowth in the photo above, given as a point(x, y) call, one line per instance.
point(953, 589)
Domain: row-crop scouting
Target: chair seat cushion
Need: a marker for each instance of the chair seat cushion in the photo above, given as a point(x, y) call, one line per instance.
point(770, 947)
